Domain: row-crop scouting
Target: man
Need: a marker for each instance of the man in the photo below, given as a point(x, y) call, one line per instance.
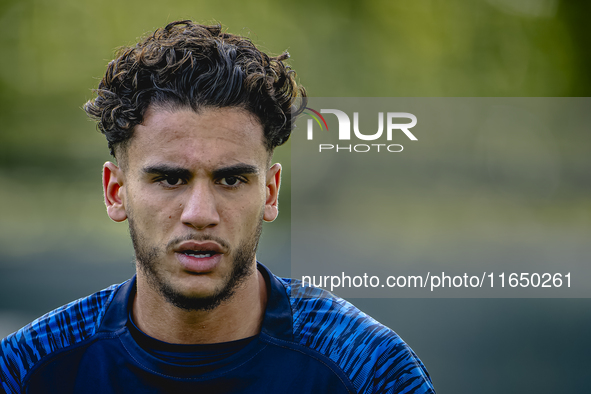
point(192, 116)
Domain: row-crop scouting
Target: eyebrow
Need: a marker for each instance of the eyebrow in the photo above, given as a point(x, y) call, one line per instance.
point(237, 169)
point(164, 169)
point(180, 172)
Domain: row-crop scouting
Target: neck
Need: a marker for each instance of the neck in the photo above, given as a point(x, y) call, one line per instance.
point(239, 317)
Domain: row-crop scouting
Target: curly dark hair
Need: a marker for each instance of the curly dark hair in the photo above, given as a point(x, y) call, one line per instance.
point(189, 65)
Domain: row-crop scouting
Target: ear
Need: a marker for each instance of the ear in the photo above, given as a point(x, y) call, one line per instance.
point(112, 189)
point(272, 187)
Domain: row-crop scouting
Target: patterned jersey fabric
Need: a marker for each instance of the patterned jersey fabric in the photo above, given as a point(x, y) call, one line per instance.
point(310, 341)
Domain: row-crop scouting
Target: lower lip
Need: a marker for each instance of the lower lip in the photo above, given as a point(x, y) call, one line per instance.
point(198, 265)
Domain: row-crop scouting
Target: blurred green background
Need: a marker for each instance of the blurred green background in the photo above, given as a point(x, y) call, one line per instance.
point(57, 244)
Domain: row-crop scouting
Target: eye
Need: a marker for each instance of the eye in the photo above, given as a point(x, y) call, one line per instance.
point(173, 180)
point(170, 180)
point(232, 181)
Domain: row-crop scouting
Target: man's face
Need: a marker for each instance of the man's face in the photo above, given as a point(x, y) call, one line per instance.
point(195, 189)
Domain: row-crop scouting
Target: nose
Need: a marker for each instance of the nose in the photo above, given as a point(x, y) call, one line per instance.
point(200, 209)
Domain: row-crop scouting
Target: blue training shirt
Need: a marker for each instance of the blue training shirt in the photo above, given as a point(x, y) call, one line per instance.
point(310, 342)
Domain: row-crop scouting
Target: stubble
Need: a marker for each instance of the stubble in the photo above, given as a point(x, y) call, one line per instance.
point(148, 257)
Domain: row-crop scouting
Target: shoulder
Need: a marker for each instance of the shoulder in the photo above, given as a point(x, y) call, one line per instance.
point(372, 355)
point(59, 329)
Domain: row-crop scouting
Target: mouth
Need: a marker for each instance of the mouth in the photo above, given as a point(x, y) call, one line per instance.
point(200, 254)
point(199, 257)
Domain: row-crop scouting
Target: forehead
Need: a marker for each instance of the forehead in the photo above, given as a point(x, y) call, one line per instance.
point(210, 137)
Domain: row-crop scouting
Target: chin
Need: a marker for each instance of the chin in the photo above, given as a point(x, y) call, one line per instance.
point(190, 299)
